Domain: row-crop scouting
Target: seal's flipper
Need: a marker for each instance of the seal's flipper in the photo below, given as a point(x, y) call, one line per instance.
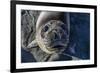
point(33, 44)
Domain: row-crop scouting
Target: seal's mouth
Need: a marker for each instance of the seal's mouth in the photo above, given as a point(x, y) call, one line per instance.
point(54, 43)
point(58, 46)
point(55, 46)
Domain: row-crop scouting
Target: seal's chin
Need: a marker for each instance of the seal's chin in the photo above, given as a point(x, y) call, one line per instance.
point(55, 46)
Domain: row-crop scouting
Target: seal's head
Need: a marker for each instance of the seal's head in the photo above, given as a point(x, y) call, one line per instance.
point(54, 36)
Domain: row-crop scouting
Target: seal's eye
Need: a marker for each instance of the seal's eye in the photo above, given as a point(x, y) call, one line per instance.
point(46, 28)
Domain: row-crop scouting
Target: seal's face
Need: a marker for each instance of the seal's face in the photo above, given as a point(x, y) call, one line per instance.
point(54, 35)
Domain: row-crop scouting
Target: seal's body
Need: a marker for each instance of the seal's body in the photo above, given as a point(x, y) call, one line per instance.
point(52, 36)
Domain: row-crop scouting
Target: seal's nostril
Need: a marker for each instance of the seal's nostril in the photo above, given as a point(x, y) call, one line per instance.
point(56, 36)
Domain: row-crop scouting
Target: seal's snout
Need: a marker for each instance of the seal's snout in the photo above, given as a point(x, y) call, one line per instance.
point(56, 36)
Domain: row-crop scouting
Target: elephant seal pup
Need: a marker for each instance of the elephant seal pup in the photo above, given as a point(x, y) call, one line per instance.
point(52, 35)
point(51, 32)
